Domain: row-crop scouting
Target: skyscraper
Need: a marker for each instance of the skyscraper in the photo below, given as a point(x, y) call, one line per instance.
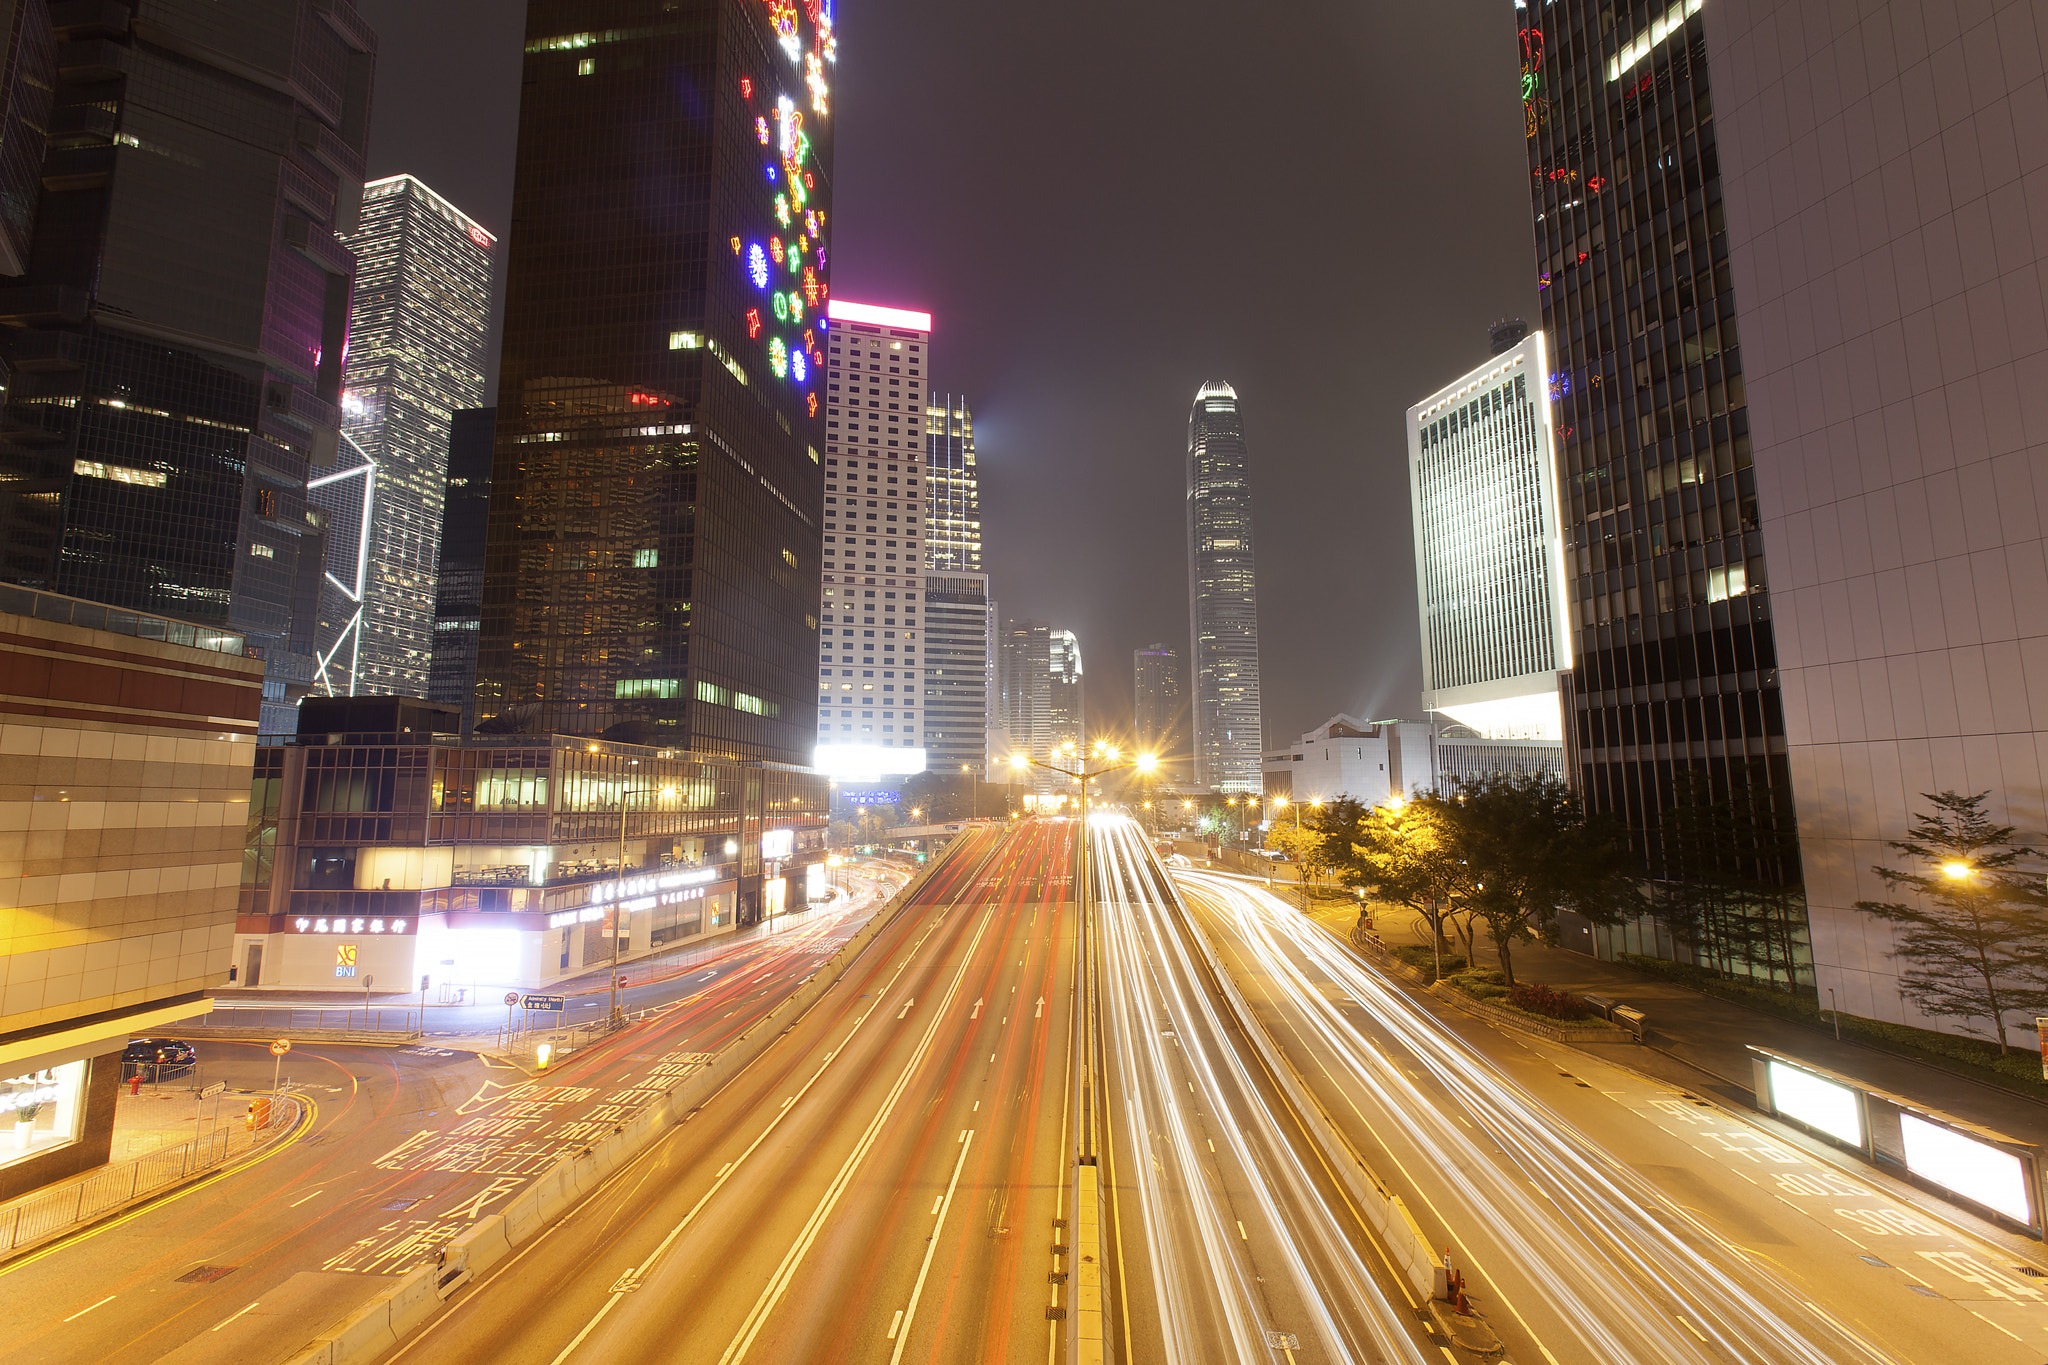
point(459, 594)
point(1483, 494)
point(1223, 608)
point(650, 572)
point(1024, 678)
point(956, 674)
point(952, 542)
point(415, 356)
point(872, 580)
point(177, 339)
point(1673, 652)
point(28, 71)
point(1160, 693)
point(1065, 698)
point(1894, 362)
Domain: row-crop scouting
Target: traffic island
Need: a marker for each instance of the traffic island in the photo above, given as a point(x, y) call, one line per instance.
point(1468, 1328)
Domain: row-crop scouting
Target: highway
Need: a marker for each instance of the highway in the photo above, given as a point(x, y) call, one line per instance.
point(882, 1184)
point(407, 1146)
point(1604, 1216)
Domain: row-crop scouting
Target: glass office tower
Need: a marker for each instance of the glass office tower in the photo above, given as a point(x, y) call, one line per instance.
point(652, 563)
point(176, 341)
point(1223, 607)
point(952, 539)
point(416, 356)
point(1674, 662)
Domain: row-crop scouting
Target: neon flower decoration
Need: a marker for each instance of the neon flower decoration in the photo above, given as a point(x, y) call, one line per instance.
point(757, 266)
point(778, 357)
point(753, 323)
point(810, 291)
point(782, 209)
point(761, 130)
point(796, 306)
point(812, 399)
point(771, 175)
point(814, 77)
point(782, 14)
point(798, 370)
point(775, 249)
point(1596, 183)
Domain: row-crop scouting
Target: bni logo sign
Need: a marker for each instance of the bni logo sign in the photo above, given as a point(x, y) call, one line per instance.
point(344, 959)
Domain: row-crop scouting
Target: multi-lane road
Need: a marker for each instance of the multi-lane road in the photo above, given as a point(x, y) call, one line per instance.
point(893, 1178)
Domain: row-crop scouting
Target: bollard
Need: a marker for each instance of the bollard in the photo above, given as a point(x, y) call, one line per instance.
point(135, 1084)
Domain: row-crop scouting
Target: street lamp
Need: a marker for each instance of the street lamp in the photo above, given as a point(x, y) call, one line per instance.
point(617, 1017)
point(1104, 752)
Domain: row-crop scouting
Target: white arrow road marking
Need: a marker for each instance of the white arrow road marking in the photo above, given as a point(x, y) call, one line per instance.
point(1041, 1008)
point(906, 1008)
point(977, 1010)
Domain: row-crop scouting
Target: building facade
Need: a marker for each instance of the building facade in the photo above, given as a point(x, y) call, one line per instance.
point(384, 845)
point(1895, 359)
point(1672, 640)
point(126, 742)
point(952, 542)
point(1223, 605)
point(956, 673)
point(176, 342)
point(870, 723)
point(417, 326)
point(1482, 487)
point(459, 588)
point(650, 573)
point(1160, 696)
point(28, 76)
point(1024, 678)
point(1066, 698)
point(1371, 761)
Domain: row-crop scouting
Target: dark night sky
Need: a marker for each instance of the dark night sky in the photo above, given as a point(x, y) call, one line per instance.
point(1104, 204)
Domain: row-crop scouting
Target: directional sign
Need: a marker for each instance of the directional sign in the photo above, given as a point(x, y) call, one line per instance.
point(543, 1002)
point(216, 1088)
point(280, 1047)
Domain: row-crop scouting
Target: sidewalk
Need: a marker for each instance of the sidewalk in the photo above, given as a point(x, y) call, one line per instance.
point(163, 1116)
point(1700, 1041)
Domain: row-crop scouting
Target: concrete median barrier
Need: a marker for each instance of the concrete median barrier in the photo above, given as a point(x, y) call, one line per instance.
point(379, 1325)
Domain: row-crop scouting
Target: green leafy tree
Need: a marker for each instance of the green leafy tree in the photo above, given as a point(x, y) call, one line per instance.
point(1972, 933)
point(1528, 850)
point(842, 834)
point(1396, 854)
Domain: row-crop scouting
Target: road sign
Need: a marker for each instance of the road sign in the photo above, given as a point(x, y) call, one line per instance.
point(280, 1047)
point(511, 997)
point(544, 1002)
point(216, 1088)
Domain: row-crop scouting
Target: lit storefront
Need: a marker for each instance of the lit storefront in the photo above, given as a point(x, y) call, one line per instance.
point(387, 856)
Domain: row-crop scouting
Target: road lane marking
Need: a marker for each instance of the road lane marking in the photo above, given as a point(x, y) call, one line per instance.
point(232, 1316)
point(296, 1202)
point(906, 1008)
point(1041, 1008)
point(975, 1015)
point(895, 1323)
point(945, 1206)
point(83, 1311)
point(1242, 1235)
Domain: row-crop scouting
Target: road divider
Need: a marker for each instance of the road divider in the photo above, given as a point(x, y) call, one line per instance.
point(1385, 1212)
point(414, 1298)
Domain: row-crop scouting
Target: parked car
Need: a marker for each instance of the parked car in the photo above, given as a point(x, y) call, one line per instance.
point(155, 1058)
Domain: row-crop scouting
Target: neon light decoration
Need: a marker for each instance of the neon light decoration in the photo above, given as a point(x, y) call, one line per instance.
point(800, 97)
point(757, 266)
point(812, 400)
point(775, 249)
point(798, 370)
point(778, 357)
point(761, 130)
point(753, 323)
point(746, 87)
point(781, 309)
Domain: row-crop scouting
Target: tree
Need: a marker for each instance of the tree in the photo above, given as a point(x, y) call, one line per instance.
point(1973, 933)
point(841, 834)
point(1302, 843)
point(1528, 850)
point(1398, 854)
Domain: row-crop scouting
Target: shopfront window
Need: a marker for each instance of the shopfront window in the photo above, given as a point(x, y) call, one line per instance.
point(41, 1111)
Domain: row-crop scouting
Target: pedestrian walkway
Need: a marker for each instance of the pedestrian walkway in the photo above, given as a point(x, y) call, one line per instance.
point(1701, 1041)
point(167, 1114)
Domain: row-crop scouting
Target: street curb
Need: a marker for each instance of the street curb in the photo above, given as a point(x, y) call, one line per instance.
point(386, 1320)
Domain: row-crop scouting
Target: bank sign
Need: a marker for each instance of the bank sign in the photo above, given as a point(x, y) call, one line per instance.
point(872, 799)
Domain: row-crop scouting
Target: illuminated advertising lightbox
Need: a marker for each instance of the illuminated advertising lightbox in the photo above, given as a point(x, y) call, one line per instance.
point(777, 843)
point(872, 798)
point(1978, 1171)
point(817, 882)
point(1817, 1103)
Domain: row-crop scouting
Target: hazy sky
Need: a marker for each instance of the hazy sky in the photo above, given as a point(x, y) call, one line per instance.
point(1104, 203)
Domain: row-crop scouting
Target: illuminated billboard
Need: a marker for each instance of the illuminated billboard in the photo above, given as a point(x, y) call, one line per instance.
point(1978, 1171)
point(866, 762)
point(1821, 1104)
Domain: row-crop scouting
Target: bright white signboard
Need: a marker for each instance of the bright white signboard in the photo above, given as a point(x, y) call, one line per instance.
point(1817, 1103)
point(1977, 1171)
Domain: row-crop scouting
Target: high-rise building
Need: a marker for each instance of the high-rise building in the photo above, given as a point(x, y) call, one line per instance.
point(952, 541)
point(869, 716)
point(1159, 691)
point(459, 596)
point(1223, 606)
point(956, 675)
point(28, 73)
point(1024, 678)
point(1488, 566)
point(177, 339)
point(124, 790)
point(661, 412)
point(1894, 363)
point(1673, 652)
point(1065, 699)
point(415, 356)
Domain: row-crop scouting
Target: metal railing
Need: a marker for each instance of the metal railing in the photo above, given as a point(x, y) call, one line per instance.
point(289, 1019)
point(37, 1216)
point(73, 611)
